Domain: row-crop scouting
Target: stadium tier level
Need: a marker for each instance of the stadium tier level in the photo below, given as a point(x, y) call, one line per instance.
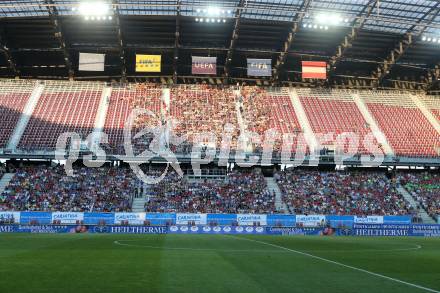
point(220, 146)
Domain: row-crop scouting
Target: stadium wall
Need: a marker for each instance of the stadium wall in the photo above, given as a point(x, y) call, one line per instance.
point(126, 218)
point(383, 230)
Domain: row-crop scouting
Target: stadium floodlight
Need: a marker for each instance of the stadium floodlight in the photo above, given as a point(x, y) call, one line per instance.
point(213, 14)
point(424, 38)
point(326, 18)
point(434, 40)
point(429, 39)
point(94, 8)
point(213, 11)
point(197, 20)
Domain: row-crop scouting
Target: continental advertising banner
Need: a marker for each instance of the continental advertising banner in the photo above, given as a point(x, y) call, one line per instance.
point(204, 65)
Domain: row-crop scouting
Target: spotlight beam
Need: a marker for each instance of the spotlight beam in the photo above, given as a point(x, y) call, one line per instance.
point(5, 50)
point(290, 38)
point(241, 5)
point(406, 42)
point(352, 35)
point(53, 15)
point(120, 42)
point(176, 42)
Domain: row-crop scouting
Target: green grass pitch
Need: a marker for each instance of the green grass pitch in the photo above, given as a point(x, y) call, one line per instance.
point(217, 263)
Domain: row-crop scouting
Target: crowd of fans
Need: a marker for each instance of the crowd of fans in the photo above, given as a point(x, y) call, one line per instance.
point(2, 170)
point(425, 188)
point(203, 109)
point(255, 110)
point(106, 189)
point(239, 192)
point(42, 188)
point(262, 110)
point(341, 193)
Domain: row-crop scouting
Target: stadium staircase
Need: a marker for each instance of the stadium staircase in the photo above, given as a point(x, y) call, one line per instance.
point(166, 98)
point(25, 117)
point(280, 206)
point(102, 114)
point(138, 205)
point(4, 181)
point(422, 213)
point(309, 135)
point(378, 134)
point(241, 121)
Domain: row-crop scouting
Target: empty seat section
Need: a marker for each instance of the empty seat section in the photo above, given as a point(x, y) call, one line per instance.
point(62, 107)
point(335, 113)
point(433, 104)
point(406, 128)
point(13, 98)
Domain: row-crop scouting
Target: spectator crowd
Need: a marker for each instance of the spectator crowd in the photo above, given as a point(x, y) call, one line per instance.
point(108, 189)
point(42, 188)
point(341, 193)
point(425, 189)
point(239, 192)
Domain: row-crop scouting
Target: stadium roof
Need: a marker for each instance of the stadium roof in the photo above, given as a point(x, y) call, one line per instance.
point(377, 41)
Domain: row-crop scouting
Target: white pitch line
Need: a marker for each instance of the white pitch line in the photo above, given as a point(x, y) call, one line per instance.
point(120, 242)
point(339, 264)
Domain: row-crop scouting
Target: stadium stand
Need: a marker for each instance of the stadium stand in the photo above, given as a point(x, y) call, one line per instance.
point(73, 106)
point(202, 108)
point(406, 128)
point(425, 188)
point(263, 110)
point(239, 192)
point(121, 103)
point(334, 112)
point(13, 97)
point(62, 107)
point(341, 193)
point(42, 188)
point(105, 189)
